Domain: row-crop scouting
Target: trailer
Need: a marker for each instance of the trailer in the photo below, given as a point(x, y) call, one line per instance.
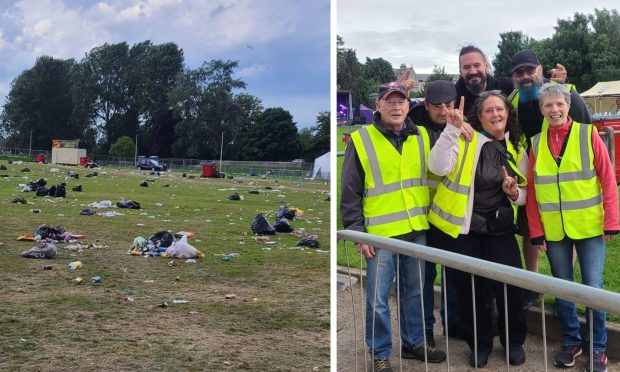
point(67, 152)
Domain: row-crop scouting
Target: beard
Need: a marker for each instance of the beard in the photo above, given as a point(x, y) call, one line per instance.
point(473, 87)
point(528, 89)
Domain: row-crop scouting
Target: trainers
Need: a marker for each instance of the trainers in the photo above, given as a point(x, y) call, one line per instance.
point(516, 355)
point(382, 365)
point(600, 362)
point(483, 359)
point(566, 356)
point(430, 339)
point(432, 354)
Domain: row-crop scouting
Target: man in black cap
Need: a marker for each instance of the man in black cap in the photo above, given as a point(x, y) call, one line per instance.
point(384, 192)
point(430, 114)
point(527, 74)
point(475, 71)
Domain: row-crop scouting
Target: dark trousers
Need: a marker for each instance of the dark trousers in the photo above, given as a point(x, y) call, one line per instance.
point(501, 249)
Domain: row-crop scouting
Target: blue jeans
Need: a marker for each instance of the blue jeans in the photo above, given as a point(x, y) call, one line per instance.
point(591, 255)
point(380, 274)
point(429, 298)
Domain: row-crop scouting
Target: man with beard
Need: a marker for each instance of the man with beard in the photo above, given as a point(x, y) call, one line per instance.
point(528, 78)
point(475, 78)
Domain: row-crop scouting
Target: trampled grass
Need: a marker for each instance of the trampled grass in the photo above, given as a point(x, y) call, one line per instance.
point(279, 319)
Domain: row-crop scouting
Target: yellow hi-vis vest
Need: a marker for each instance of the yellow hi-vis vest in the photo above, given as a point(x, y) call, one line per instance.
point(569, 196)
point(514, 99)
point(449, 205)
point(395, 189)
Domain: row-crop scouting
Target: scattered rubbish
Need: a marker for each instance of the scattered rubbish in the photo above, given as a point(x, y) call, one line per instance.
point(285, 212)
point(46, 267)
point(72, 174)
point(93, 174)
point(260, 225)
point(144, 184)
point(309, 241)
point(55, 233)
point(171, 263)
point(149, 281)
point(101, 204)
point(126, 203)
point(128, 298)
point(27, 236)
point(19, 201)
point(46, 249)
point(182, 249)
point(253, 192)
point(163, 305)
point(109, 214)
point(234, 196)
point(225, 258)
point(282, 225)
point(96, 279)
point(87, 212)
point(179, 301)
point(230, 296)
point(25, 170)
point(35, 211)
point(75, 265)
point(78, 280)
point(189, 234)
point(190, 261)
point(77, 188)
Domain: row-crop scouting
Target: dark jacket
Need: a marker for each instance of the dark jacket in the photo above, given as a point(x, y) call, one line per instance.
point(493, 83)
point(531, 118)
point(352, 177)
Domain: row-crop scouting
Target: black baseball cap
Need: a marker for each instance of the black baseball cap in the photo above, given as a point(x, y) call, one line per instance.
point(394, 86)
point(524, 58)
point(440, 91)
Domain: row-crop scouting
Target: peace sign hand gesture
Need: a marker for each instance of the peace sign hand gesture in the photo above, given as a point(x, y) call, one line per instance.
point(455, 116)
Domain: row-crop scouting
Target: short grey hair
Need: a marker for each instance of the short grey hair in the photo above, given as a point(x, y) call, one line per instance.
point(553, 90)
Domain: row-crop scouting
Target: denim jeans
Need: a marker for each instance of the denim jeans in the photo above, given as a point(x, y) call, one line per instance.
point(591, 255)
point(429, 298)
point(380, 274)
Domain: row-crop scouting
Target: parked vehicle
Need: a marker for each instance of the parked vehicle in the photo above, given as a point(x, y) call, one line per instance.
point(151, 163)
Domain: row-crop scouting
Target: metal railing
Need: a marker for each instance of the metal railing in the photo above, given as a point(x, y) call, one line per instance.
point(594, 298)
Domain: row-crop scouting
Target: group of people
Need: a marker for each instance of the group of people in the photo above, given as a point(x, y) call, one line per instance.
point(463, 171)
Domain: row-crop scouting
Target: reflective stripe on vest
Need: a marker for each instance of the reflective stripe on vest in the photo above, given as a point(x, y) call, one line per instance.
point(450, 203)
point(448, 207)
point(395, 185)
point(569, 196)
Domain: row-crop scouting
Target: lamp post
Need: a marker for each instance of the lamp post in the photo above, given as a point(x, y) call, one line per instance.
point(221, 152)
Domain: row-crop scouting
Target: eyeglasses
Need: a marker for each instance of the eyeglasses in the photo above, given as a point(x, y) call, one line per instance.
point(488, 93)
point(529, 70)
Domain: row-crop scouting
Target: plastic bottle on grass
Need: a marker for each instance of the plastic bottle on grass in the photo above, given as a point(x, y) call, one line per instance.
point(75, 265)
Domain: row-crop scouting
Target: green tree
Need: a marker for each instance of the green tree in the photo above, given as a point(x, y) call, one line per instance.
point(39, 102)
point(274, 137)
point(123, 147)
point(350, 76)
point(378, 70)
point(315, 141)
point(438, 73)
point(510, 43)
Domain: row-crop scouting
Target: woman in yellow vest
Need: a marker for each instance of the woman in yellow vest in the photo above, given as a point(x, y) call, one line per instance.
point(572, 199)
point(474, 209)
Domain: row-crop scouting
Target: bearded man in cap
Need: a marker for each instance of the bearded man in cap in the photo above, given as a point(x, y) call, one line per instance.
point(384, 192)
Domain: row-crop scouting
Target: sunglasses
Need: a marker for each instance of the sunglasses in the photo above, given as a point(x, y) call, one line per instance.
point(490, 93)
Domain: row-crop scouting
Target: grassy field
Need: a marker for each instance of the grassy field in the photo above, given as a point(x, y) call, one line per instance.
point(277, 321)
point(611, 279)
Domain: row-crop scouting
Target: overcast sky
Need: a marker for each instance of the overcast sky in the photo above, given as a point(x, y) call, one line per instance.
point(427, 33)
point(282, 46)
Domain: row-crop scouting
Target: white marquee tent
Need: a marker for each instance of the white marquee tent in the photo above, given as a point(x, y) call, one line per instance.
point(321, 168)
point(603, 98)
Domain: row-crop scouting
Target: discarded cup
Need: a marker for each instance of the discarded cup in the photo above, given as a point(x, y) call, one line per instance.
point(75, 265)
point(179, 301)
point(35, 211)
point(96, 279)
point(46, 267)
point(225, 258)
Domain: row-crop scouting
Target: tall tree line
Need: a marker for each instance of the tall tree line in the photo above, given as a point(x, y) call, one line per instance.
point(145, 92)
point(588, 45)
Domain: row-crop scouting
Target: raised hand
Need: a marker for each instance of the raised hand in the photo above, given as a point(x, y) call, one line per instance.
point(509, 186)
point(558, 74)
point(455, 116)
point(404, 80)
